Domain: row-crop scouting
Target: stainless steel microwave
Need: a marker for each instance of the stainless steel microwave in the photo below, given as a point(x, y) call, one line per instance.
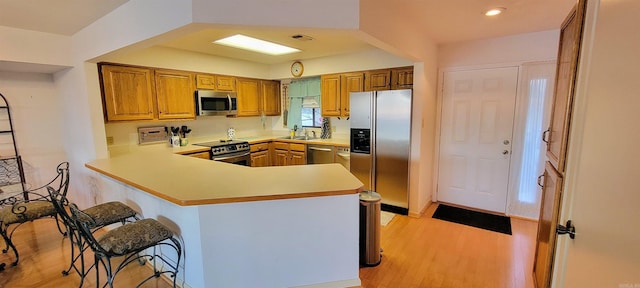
point(212, 103)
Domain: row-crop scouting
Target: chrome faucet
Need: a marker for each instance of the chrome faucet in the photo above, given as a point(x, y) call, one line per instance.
point(306, 134)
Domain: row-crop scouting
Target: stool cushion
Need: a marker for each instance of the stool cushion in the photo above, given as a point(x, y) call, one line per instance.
point(28, 211)
point(134, 236)
point(109, 213)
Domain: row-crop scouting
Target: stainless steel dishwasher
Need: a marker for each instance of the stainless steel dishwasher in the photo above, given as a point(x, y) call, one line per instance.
point(319, 154)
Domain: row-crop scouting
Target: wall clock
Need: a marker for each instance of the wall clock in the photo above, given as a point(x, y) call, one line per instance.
point(297, 68)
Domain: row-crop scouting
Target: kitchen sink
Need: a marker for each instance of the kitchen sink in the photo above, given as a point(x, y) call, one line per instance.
point(295, 138)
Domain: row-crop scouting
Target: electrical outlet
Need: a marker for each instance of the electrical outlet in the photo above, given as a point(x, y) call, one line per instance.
point(109, 140)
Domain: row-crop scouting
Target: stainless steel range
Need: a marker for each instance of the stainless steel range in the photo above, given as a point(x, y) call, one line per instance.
point(230, 151)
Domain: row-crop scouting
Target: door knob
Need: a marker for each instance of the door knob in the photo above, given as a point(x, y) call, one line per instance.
point(568, 229)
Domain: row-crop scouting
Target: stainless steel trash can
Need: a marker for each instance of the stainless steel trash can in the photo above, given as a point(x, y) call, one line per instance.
point(370, 228)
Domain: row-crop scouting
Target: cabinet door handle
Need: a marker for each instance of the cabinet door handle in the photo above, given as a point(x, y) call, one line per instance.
point(321, 149)
point(540, 181)
point(545, 135)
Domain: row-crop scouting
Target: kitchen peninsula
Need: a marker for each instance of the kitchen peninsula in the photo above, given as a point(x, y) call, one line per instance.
point(287, 226)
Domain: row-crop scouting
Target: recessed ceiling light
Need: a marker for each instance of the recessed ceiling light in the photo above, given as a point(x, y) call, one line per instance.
point(494, 11)
point(256, 45)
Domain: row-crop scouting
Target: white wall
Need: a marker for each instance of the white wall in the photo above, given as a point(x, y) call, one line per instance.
point(24, 46)
point(601, 179)
point(537, 46)
point(368, 60)
point(341, 14)
point(37, 122)
point(170, 58)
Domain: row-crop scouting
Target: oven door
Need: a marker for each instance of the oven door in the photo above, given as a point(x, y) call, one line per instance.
point(241, 158)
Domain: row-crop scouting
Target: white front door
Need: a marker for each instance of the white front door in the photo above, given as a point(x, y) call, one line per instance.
point(476, 135)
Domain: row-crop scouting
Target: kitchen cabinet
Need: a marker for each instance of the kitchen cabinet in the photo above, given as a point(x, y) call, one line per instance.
point(557, 134)
point(128, 93)
point(225, 83)
point(215, 82)
point(139, 93)
point(335, 89)
point(256, 97)
point(248, 97)
point(330, 95)
point(201, 155)
point(375, 80)
point(260, 159)
point(174, 93)
point(205, 81)
point(556, 138)
point(402, 78)
point(260, 155)
point(289, 154)
point(270, 98)
point(549, 212)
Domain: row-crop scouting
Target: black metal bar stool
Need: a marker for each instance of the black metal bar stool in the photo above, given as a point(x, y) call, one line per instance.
point(32, 206)
point(104, 214)
point(131, 241)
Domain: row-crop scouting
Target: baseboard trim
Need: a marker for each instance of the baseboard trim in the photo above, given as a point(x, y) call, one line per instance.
point(424, 209)
point(394, 209)
point(335, 284)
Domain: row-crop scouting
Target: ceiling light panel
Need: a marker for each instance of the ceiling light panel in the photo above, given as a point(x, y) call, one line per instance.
point(494, 11)
point(252, 44)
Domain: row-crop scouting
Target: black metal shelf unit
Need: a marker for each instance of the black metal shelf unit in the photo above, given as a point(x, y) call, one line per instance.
point(12, 178)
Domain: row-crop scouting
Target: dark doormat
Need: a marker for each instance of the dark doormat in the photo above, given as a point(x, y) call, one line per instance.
point(476, 219)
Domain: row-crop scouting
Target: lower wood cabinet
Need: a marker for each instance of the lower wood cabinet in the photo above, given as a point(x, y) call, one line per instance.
point(202, 155)
point(260, 155)
point(289, 154)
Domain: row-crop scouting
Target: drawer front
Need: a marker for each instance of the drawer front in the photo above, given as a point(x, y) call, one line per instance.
point(259, 147)
point(281, 145)
point(298, 147)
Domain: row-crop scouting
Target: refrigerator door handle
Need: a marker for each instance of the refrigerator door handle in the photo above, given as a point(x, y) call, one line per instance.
point(372, 139)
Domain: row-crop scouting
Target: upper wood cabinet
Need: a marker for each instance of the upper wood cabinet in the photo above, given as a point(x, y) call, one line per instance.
point(349, 82)
point(256, 97)
point(270, 97)
point(225, 83)
point(174, 93)
point(216, 82)
point(127, 93)
point(248, 97)
point(377, 80)
point(335, 89)
point(330, 94)
point(568, 53)
point(402, 78)
point(206, 81)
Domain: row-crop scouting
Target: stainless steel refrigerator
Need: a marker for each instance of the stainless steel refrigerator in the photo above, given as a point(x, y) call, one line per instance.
point(380, 144)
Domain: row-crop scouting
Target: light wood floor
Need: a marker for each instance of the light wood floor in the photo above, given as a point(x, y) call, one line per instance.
point(428, 252)
point(44, 253)
point(422, 252)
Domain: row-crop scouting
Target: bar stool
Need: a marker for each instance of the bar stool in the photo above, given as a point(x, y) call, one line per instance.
point(130, 241)
point(104, 214)
point(32, 207)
